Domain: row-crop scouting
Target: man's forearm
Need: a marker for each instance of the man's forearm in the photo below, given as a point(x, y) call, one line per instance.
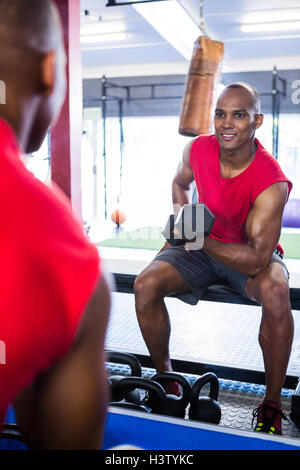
point(242, 258)
point(180, 196)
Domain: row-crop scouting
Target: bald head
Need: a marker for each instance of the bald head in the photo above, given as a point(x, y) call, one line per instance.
point(29, 24)
point(249, 89)
point(237, 117)
point(32, 66)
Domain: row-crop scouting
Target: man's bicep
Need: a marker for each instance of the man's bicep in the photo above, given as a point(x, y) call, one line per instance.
point(65, 407)
point(263, 225)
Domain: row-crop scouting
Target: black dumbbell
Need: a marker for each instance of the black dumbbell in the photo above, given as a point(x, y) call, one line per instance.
point(192, 223)
point(174, 405)
point(205, 408)
point(156, 393)
point(133, 395)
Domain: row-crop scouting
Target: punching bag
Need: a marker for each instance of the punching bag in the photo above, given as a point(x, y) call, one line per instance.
point(201, 87)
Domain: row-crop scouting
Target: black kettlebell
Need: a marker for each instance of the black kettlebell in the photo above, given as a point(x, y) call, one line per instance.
point(11, 431)
point(175, 405)
point(157, 395)
point(203, 408)
point(132, 396)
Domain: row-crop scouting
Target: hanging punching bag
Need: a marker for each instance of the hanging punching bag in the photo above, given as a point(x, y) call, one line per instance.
point(201, 87)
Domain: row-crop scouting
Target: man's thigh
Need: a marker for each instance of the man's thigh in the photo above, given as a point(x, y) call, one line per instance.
point(249, 287)
point(191, 270)
point(161, 277)
point(275, 274)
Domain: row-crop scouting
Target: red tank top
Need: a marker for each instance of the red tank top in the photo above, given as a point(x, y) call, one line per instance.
point(49, 271)
point(231, 199)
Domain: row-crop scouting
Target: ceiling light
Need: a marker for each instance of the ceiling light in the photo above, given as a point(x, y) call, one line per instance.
point(107, 37)
point(173, 23)
point(275, 26)
point(102, 28)
point(272, 15)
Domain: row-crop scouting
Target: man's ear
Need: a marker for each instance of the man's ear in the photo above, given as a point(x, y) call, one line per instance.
point(259, 118)
point(48, 72)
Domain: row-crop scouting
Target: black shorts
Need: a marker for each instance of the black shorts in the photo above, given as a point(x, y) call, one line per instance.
point(200, 270)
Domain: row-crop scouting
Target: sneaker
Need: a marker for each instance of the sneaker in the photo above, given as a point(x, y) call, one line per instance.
point(171, 388)
point(269, 417)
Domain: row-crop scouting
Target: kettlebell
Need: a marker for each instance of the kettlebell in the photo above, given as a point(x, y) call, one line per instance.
point(133, 395)
point(157, 395)
point(175, 405)
point(203, 408)
point(11, 431)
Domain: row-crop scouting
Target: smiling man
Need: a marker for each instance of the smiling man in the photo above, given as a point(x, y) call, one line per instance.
point(245, 188)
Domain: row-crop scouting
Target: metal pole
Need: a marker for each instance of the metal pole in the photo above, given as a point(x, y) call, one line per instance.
point(95, 170)
point(121, 146)
point(103, 98)
point(274, 114)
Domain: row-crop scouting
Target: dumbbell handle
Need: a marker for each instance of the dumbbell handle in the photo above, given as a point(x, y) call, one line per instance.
point(190, 215)
point(169, 235)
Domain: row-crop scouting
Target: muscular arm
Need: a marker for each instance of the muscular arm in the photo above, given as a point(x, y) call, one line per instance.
point(181, 184)
point(182, 180)
point(263, 227)
point(65, 407)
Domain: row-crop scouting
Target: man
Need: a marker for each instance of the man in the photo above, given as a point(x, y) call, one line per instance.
point(55, 300)
point(244, 187)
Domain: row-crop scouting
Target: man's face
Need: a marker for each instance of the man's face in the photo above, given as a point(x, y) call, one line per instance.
point(236, 118)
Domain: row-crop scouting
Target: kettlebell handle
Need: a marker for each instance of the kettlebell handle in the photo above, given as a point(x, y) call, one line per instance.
point(126, 358)
point(213, 381)
point(164, 377)
point(156, 391)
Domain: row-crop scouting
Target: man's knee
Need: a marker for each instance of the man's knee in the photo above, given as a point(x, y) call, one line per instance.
point(146, 290)
point(275, 295)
